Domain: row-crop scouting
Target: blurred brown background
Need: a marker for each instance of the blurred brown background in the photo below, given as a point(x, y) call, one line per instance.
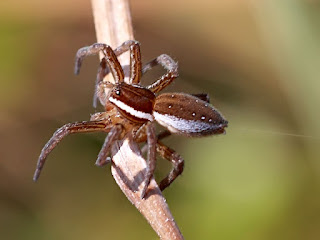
point(258, 60)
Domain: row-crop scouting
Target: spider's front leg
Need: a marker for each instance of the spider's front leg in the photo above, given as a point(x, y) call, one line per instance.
point(110, 58)
point(100, 86)
point(113, 135)
point(130, 45)
point(109, 62)
point(77, 127)
point(94, 49)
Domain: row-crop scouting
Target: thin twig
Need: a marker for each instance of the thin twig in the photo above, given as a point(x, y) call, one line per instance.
point(113, 26)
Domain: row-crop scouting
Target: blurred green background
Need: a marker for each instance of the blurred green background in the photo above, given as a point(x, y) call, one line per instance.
point(258, 60)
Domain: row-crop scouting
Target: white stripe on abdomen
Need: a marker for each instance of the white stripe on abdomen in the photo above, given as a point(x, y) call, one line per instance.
point(175, 124)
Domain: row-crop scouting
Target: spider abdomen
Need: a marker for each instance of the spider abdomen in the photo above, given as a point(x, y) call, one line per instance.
point(135, 103)
point(188, 115)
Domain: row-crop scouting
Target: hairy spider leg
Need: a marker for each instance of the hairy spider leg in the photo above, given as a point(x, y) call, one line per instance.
point(83, 52)
point(151, 163)
point(113, 64)
point(135, 59)
point(172, 72)
point(135, 63)
point(113, 135)
point(170, 155)
point(99, 87)
point(141, 137)
point(176, 160)
point(77, 127)
point(109, 56)
point(95, 48)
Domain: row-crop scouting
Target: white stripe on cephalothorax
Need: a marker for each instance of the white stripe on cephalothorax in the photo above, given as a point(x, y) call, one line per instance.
point(176, 125)
point(131, 110)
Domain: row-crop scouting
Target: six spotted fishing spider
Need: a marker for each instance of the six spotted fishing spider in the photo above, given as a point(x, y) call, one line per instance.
point(131, 109)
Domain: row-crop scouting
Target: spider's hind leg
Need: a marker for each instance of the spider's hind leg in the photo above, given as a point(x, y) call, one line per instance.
point(177, 161)
point(168, 154)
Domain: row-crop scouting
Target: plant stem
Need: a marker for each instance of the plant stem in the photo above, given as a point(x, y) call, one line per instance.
point(113, 26)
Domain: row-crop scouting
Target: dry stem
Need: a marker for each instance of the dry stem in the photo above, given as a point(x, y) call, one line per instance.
point(113, 26)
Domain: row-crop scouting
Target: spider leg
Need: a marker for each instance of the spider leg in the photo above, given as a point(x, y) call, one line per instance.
point(175, 159)
point(135, 59)
point(113, 135)
point(164, 134)
point(94, 49)
point(110, 57)
point(99, 116)
point(90, 126)
point(113, 64)
point(151, 164)
point(99, 91)
point(135, 63)
point(100, 86)
point(172, 72)
point(142, 137)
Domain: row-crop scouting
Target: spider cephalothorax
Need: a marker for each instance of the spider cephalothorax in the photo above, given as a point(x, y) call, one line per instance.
point(131, 109)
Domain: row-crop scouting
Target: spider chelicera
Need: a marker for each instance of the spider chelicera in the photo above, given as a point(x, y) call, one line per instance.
point(131, 110)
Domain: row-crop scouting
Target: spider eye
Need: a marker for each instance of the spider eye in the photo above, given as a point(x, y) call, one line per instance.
point(117, 92)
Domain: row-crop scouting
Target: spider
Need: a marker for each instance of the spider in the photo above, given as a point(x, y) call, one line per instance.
point(131, 110)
